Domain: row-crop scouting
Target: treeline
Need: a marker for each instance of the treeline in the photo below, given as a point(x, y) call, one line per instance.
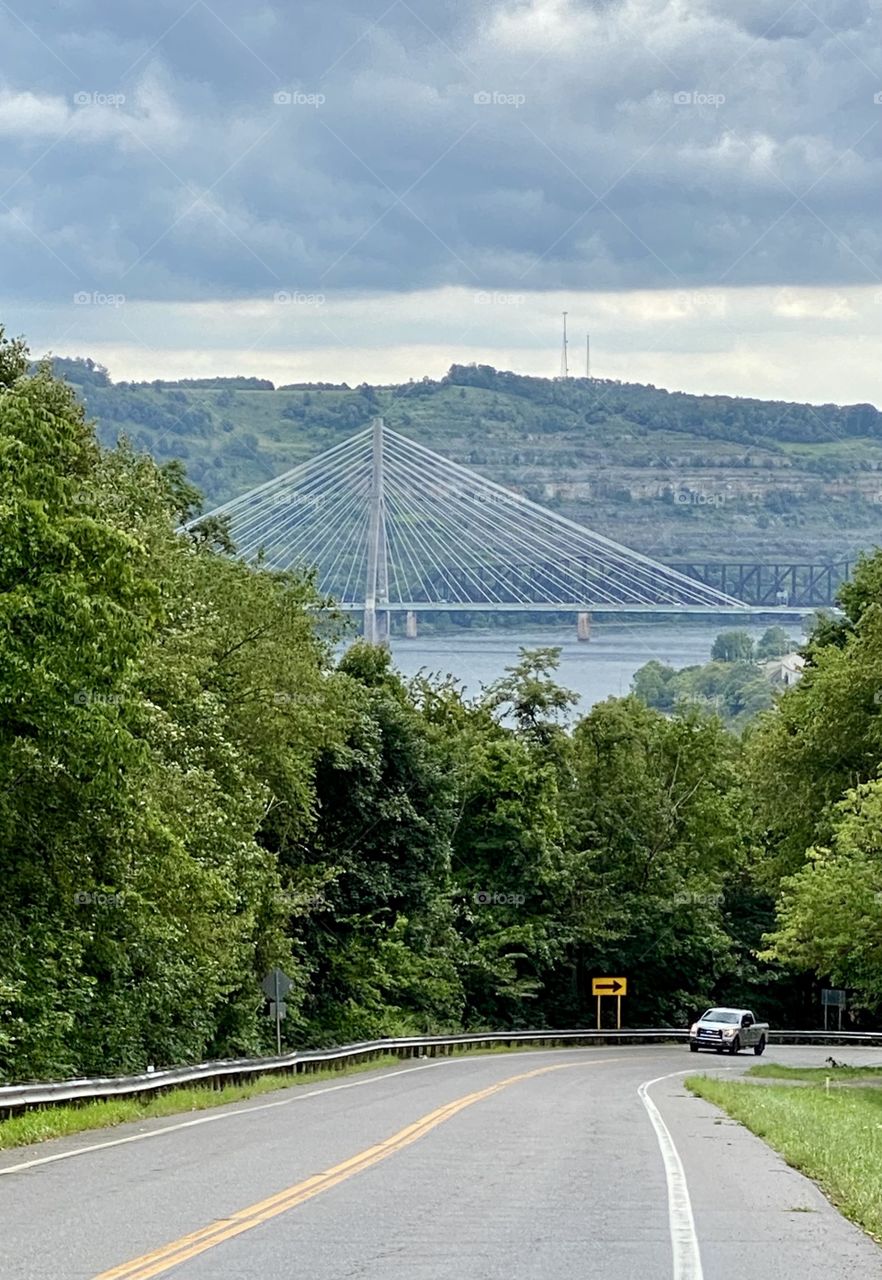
point(732, 418)
point(195, 788)
point(733, 685)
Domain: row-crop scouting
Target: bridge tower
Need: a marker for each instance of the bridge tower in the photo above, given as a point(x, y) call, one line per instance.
point(376, 591)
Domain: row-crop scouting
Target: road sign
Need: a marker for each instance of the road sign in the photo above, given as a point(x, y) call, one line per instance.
point(276, 984)
point(834, 996)
point(617, 987)
point(609, 986)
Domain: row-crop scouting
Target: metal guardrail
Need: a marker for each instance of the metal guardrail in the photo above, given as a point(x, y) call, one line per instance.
point(17, 1098)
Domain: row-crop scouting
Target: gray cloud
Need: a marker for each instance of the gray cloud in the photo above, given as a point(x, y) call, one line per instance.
point(382, 164)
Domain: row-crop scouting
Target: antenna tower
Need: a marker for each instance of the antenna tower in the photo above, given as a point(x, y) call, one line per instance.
point(564, 367)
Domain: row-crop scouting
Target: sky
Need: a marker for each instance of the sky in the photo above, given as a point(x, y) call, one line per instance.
point(365, 190)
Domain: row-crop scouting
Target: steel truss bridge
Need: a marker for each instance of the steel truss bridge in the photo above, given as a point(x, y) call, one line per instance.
point(806, 586)
point(388, 525)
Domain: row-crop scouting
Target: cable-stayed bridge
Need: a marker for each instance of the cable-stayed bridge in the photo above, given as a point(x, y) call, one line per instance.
point(391, 526)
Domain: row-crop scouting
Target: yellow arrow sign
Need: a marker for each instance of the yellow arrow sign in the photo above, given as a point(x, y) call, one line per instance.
point(609, 986)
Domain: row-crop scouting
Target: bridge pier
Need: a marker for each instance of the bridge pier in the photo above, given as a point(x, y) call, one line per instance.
point(583, 626)
point(376, 626)
point(410, 625)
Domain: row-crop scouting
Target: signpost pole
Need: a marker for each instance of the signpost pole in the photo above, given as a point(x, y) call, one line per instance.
point(598, 1012)
point(618, 1013)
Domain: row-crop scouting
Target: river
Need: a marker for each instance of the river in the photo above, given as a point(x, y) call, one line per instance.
point(597, 669)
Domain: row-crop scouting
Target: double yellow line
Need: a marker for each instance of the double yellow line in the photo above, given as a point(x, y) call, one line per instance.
point(171, 1255)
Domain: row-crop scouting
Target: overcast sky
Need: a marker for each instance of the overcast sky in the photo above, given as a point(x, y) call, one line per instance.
point(357, 189)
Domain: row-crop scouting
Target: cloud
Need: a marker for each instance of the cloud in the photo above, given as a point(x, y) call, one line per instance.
point(787, 344)
point(516, 144)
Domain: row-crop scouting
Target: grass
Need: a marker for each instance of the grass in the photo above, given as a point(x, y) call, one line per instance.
point(835, 1137)
point(778, 1071)
point(43, 1123)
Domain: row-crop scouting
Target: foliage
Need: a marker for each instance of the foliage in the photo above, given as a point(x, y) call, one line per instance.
point(830, 911)
point(197, 784)
point(733, 646)
point(733, 687)
point(775, 643)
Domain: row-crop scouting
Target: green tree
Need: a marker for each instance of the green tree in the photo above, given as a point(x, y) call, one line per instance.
point(774, 643)
point(830, 911)
point(655, 826)
point(733, 646)
point(825, 734)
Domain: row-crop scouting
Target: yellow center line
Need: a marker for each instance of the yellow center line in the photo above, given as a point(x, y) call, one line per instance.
point(189, 1246)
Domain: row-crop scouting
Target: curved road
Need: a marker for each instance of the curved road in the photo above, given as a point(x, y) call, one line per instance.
point(527, 1166)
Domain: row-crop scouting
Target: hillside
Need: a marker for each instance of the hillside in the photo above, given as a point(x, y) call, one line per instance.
point(674, 475)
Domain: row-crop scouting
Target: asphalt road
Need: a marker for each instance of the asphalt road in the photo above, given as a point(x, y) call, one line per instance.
point(528, 1166)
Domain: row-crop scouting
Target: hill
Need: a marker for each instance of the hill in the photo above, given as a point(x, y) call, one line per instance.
point(677, 476)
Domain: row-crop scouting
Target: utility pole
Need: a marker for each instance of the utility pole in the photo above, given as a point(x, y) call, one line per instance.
point(376, 592)
point(564, 366)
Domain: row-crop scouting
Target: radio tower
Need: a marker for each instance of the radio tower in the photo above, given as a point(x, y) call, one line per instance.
point(564, 367)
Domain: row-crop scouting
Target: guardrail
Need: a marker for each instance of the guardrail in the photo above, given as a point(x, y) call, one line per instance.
point(17, 1098)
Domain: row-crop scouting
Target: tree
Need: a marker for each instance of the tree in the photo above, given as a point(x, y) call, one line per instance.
point(825, 735)
point(379, 942)
point(830, 912)
point(530, 694)
point(655, 826)
point(733, 646)
point(774, 643)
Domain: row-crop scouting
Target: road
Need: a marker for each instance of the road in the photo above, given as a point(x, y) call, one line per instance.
point(531, 1166)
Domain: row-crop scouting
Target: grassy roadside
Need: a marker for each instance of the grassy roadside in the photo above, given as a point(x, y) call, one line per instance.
point(834, 1137)
point(778, 1071)
point(44, 1123)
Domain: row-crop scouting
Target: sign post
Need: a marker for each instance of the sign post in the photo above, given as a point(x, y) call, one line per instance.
point(276, 986)
point(833, 997)
point(617, 987)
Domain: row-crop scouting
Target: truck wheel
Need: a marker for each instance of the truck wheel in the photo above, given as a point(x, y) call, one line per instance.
point(735, 1045)
point(693, 1048)
point(758, 1048)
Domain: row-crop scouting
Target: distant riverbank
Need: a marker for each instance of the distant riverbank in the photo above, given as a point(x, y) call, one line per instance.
point(601, 668)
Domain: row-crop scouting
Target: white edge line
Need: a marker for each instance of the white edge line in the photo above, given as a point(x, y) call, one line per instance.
point(268, 1106)
point(684, 1238)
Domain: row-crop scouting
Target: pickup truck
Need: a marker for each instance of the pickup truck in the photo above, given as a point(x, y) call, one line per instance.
point(732, 1029)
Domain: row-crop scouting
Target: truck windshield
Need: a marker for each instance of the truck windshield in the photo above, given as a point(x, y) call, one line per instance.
point(721, 1015)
